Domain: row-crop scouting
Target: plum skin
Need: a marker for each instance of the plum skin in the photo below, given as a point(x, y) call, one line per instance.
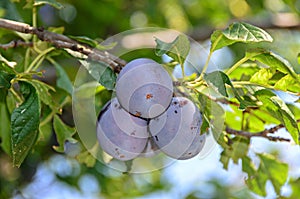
point(144, 88)
point(120, 134)
point(177, 131)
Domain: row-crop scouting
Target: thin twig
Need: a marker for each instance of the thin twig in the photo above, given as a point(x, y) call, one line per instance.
point(61, 41)
point(15, 44)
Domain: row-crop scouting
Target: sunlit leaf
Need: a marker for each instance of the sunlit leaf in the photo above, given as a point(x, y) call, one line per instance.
point(275, 61)
point(25, 121)
point(63, 133)
point(288, 83)
point(244, 32)
point(262, 76)
point(238, 32)
point(177, 50)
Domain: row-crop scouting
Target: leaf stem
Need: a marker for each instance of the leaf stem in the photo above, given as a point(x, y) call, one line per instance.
point(237, 64)
point(37, 59)
point(19, 99)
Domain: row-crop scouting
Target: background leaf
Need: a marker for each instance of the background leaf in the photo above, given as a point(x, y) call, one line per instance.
point(279, 110)
point(53, 3)
point(237, 150)
point(101, 73)
point(63, 81)
point(24, 124)
point(63, 133)
point(5, 79)
point(5, 130)
point(269, 169)
point(177, 50)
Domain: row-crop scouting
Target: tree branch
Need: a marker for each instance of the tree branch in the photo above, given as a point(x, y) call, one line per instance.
point(61, 41)
point(265, 133)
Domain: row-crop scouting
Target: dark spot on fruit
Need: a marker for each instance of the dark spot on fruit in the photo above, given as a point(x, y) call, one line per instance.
point(122, 156)
point(156, 138)
point(132, 133)
point(116, 105)
point(138, 114)
point(189, 153)
point(149, 96)
point(175, 111)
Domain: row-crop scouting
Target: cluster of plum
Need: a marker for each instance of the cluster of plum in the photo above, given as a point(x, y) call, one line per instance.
point(144, 117)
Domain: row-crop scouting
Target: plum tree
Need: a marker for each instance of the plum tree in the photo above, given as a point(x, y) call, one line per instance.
point(177, 131)
point(144, 88)
point(120, 134)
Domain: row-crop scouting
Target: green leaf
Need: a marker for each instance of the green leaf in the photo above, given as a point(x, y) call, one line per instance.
point(63, 133)
point(288, 83)
point(298, 58)
point(276, 62)
point(177, 49)
point(213, 117)
point(5, 79)
point(25, 121)
point(244, 32)
point(63, 81)
point(262, 76)
point(101, 72)
point(295, 184)
point(237, 150)
point(218, 41)
point(52, 3)
point(238, 32)
point(42, 90)
point(269, 169)
point(5, 130)
point(218, 79)
point(279, 110)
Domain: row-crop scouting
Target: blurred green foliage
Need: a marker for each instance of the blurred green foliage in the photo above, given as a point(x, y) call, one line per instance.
point(99, 19)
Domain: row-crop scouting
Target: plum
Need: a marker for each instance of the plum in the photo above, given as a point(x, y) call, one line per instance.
point(177, 131)
point(120, 134)
point(144, 88)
